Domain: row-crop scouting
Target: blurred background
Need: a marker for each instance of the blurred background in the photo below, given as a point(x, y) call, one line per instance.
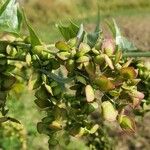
point(133, 17)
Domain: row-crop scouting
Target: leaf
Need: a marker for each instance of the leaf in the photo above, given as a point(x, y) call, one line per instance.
point(63, 55)
point(10, 17)
point(80, 35)
point(68, 32)
point(33, 36)
point(93, 37)
point(90, 68)
point(121, 41)
point(81, 79)
point(104, 83)
point(62, 46)
point(42, 103)
point(42, 93)
point(83, 59)
point(108, 111)
point(89, 92)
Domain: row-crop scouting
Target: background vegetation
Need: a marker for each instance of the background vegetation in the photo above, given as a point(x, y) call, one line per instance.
point(133, 17)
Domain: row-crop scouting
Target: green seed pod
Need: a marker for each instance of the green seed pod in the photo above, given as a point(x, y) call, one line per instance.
point(11, 50)
point(62, 46)
point(108, 111)
point(63, 55)
point(28, 59)
point(8, 82)
point(127, 124)
point(70, 65)
point(38, 49)
point(57, 90)
point(83, 59)
point(99, 59)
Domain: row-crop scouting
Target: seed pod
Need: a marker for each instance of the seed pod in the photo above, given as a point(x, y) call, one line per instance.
point(57, 90)
point(49, 89)
point(89, 92)
point(38, 49)
point(108, 47)
point(99, 59)
point(127, 124)
point(83, 59)
point(70, 65)
point(62, 46)
point(11, 50)
point(108, 111)
point(94, 129)
point(8, 82)
point(63, 55)
point(28, 59)
point(104, 83)
point(128, 73)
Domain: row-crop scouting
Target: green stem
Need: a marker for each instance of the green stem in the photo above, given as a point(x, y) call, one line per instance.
point(137, 54)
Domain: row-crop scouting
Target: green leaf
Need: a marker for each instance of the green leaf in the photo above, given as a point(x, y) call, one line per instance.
point(68, 32)
point(62, 46)
point(10, 17)
point(35, 40)
point(93, 36)
point(121, 41)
